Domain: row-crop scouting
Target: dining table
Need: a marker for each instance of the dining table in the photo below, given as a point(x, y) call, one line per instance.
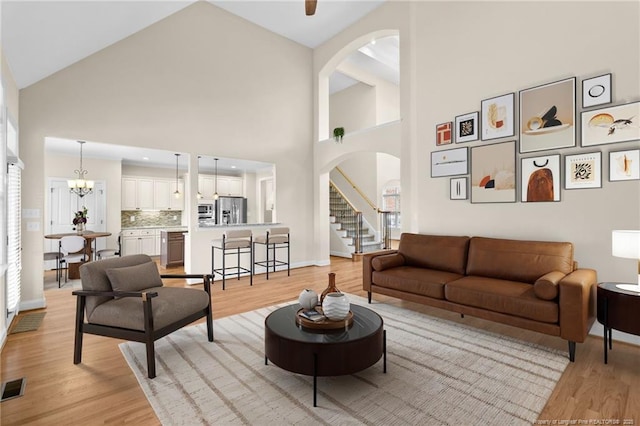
point(90, 247)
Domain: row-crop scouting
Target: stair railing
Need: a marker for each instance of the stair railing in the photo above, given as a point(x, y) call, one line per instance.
point(383, 215)
point(352, 217)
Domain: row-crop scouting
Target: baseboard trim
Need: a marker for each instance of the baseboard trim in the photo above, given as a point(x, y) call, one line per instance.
point(29, 305)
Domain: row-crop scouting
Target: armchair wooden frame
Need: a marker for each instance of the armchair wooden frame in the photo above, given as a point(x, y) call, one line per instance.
point(150, 334)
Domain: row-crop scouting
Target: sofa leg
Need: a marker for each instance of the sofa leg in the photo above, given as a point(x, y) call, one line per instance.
point(572, 351)
point(461, 315)
point(369, 296)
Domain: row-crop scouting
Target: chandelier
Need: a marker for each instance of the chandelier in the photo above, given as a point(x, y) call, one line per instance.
point(80, 186)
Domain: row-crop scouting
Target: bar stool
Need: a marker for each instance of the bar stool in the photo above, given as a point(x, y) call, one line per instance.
point(233, 243)
point(275, 238)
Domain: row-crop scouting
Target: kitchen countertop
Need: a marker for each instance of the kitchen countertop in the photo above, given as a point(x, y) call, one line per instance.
point(236, 225)
point(133, 228)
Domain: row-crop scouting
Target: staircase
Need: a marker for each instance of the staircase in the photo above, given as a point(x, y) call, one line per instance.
point(343, 224)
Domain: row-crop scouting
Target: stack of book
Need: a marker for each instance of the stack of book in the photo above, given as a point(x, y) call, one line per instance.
point(314, 315)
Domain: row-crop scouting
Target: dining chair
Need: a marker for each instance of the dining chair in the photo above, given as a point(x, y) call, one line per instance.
point(71, 249)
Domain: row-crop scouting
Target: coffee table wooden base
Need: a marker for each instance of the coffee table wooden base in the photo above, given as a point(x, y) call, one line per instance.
point(324, 354)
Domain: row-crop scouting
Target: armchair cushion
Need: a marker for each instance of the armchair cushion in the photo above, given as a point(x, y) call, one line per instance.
point(171, 305)
point(134, 278)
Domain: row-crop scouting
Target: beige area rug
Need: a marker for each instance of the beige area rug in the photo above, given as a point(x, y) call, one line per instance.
point(438, 372)
point(28, 322)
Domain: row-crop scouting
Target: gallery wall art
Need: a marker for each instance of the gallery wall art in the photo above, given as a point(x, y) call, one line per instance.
point(612, 124)
point(467, 127)
point(458, 188)
point(583, 171)
point(449, 162)
point(624, 165)
point(498, 117)
point(547, 116)
point(596, 91)
point(444, 133)
point(540, 179)
point(493, 173)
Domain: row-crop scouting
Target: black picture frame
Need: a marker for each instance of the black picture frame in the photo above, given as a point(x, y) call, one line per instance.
point(583, 170)
point(450, 162)
point(498, 117)
point(548, 116)
point(596, 91)
point(459, 188)
point(540, 179)
point(467, 127)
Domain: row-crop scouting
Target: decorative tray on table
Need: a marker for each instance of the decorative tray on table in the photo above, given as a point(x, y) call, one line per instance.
point(322, 322)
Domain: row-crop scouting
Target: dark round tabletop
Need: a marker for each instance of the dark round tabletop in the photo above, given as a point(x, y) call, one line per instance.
point(336, 352)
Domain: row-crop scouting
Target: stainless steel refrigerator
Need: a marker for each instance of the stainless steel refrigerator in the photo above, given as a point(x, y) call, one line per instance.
point(231, 210)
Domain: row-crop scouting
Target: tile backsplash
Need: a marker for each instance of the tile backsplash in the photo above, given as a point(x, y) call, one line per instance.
point(140, 218)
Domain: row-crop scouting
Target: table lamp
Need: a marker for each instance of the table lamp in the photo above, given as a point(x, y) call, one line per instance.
point(626, 244)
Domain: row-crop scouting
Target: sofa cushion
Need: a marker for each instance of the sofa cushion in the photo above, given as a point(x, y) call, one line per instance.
point(171, 305)
point(386, 261)
point(514, 260)
point(427, 282)
point(507, 297)
point(443, 253)
point(546, 287)
point(134, 278)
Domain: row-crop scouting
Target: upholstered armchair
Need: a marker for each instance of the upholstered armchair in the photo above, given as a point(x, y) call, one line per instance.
point(123, 297)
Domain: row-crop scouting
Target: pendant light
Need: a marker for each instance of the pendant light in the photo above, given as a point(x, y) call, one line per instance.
point(177, 192)
point(215, 194)
point(80, 186)
point(199, 194)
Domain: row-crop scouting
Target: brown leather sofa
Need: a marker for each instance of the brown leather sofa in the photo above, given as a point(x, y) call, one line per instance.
point(533, 285)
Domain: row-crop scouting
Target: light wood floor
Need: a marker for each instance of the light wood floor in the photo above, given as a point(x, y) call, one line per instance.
point(104, 390)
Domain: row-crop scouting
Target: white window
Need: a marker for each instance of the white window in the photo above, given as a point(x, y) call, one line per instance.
point(391, 203)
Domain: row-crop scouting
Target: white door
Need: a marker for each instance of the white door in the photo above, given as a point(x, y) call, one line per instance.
point(61, 209)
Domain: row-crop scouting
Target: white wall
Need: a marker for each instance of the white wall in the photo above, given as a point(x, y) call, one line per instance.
point(454, 55)
point(201, 80)
point(353, 108)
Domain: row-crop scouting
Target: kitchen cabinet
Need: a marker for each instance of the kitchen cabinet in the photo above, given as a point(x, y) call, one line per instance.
point(140, 193)
point(140, 241)
point(227, 186)
point(172, 248)
point(137, 193)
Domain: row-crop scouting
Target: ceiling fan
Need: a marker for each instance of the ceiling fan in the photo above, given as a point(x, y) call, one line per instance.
point(310, 7)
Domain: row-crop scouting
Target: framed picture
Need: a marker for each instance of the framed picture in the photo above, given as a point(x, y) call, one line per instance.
point(596, 91)
point(444, 133)
point(493, 173)
point(467, 127)
point(547, 116)
point(449, 162)
point(611, 125)
point(458, 188)
point(540, 179)
point(624, 165)
point(498, 117)
point(583, 171)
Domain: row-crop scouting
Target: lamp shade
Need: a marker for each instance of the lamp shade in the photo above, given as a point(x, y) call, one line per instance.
point(625, 243)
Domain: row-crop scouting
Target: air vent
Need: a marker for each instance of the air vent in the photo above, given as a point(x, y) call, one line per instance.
point(13, 389)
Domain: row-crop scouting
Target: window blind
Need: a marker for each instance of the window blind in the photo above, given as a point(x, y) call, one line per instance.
point(14, 250)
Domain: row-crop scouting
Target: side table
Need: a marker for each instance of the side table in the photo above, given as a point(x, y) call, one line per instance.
point(617, 309)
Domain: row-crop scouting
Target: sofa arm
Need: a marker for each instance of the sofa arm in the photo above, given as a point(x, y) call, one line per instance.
point(577, 304)
point(367, 269)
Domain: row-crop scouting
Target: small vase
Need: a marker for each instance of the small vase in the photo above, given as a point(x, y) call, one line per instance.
point(80, 228)
point(308, 299)
point(331, 288)
point(335, 306)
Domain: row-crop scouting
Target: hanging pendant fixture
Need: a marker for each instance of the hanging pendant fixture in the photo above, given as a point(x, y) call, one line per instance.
point(199, 194)
point(80, 186)
point(177, 191)
point(215, 194)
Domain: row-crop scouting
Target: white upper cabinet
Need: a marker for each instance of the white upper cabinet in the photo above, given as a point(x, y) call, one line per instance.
point(141, 193)
point(227, 186)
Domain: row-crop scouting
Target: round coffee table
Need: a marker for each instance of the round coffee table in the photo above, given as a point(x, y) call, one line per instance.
point(324, 353)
